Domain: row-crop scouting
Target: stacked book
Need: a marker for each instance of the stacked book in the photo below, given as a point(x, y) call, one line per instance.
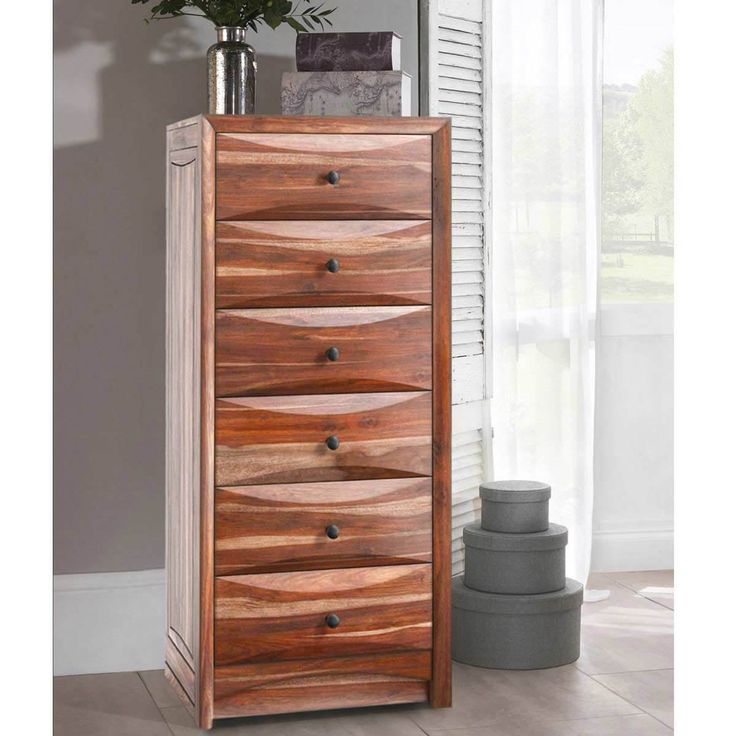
point(347, 74)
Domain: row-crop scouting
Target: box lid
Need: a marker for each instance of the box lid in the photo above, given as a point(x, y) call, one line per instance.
point(553, 538)
point(570, 597)
point(515, 491)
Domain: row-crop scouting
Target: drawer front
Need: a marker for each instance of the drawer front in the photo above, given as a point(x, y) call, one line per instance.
point(322, 683)
point(272, 176)
point(323, 350)
point(284, 439)
point(287, 264)
point(322, 525)
point(284, 616)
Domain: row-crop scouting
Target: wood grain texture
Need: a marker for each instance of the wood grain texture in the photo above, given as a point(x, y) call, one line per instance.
point(283, 527)
point(388, 223)
point(186, 122)
point(265, 352)
point(282, 439)
point(181, 670)
point(441, 686)
point(321, 683)
point(281, 616)
point(188, 136)
point(262, 176)
point(368, 125)
point(207, 443)
point(283, 264)
point(182, 406)
point(179, 690)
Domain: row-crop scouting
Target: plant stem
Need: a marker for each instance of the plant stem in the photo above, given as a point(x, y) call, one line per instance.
point(171, 17)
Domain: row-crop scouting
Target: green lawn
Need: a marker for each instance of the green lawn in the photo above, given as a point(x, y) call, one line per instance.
point(635, 277)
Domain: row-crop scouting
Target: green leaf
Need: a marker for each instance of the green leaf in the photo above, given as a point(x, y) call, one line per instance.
point(249, 13)
point(272, 19)
point(169, 7)
point(296, 25)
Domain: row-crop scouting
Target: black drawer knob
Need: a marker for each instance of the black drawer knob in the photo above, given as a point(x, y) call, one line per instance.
point(333, 177)
point(333, 265)
point(332, 531)
point(332, 442)
point(333, 354)
point(332, 620)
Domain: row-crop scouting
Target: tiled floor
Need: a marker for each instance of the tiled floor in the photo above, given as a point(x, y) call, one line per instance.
point(620, 686)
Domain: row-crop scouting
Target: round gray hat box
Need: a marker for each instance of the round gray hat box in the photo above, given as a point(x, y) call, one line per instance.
point(516, 632)
point(515, 564)
point(515, 506)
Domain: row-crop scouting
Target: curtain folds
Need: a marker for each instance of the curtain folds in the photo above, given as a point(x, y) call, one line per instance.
point(547, 124)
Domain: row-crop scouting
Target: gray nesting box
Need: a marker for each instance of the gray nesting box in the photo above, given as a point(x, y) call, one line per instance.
point(515, 564)
point(516, 632)
point(515, 506)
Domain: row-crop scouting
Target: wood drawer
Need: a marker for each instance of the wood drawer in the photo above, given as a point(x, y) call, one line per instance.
point(265, 176)
point(322, 683)
point(263, 352)
point(283, 616)
point(293, 527)
point(283, 439)
point(285, 264)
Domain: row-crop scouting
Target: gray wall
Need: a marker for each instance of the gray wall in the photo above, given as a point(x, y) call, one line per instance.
point(117, 83)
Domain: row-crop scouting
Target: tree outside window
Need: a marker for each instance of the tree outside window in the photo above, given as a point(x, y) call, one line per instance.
point(638, 157)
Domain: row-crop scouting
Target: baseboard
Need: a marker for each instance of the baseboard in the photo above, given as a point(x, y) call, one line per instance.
point(109, 622)
point(623, 550)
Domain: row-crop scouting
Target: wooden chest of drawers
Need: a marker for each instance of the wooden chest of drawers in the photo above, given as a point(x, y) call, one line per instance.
point(308, 413)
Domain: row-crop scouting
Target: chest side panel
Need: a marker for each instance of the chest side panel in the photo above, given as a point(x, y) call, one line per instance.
point(183, 301)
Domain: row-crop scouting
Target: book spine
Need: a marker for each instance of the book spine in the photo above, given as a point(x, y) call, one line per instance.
point(330, 52)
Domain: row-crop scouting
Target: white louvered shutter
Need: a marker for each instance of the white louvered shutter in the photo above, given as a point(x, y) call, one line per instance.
point(455, 83)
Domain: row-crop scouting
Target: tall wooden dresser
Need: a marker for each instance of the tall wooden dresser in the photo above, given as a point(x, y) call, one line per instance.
point(308, 413)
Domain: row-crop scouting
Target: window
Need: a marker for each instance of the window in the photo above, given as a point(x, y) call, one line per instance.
point(638, 160)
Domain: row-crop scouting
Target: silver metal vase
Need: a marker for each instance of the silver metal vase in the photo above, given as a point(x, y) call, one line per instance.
point(231, 68)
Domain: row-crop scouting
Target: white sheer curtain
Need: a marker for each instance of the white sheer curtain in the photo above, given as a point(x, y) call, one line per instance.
point(546, 107)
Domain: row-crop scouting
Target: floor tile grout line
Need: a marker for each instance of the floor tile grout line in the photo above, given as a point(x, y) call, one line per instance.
point(626, 700)
point(657, 602)
point(449, 731)
point(539, 716)
point(651, 600)
point(419, 726)
point(625, 672)
point(612, 574)
point(158, 708)
point(618, 584)
point(608, 575)
point(639, 711)
point(659, 720)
